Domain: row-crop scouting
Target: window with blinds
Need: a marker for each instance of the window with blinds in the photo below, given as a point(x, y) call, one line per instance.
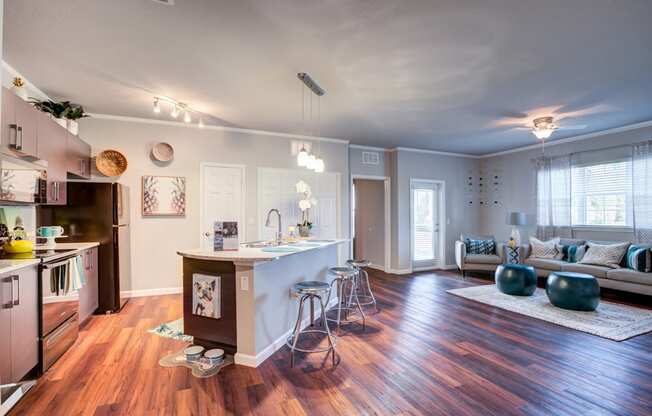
point(601, 194)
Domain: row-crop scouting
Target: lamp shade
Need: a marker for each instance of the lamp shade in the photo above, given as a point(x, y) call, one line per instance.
point(516, 218)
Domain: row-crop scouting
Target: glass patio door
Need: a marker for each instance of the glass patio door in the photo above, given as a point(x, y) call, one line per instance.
point(425, 224)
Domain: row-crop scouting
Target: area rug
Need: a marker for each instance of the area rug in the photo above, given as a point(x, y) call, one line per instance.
point(612, 321)
point(172, 330)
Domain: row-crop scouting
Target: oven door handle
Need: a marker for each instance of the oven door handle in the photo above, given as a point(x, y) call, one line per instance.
point(57, 264)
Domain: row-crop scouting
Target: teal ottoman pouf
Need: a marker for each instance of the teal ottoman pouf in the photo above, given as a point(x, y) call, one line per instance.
point(516, 279)
point(574, 291)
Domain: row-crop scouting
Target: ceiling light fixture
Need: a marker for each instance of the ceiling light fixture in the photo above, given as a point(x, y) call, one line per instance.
point(543, 127)
point(304, 158)
point(177, 108)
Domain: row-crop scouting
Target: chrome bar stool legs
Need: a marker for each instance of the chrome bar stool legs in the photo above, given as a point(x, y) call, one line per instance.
point(345, 279)
point(311, 290)
point(363, 285)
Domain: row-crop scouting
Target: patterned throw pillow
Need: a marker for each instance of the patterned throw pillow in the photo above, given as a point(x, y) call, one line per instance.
point(605, 255)
point(639, 258)
point(474, 246)
point(571, 253)
point(544, 250)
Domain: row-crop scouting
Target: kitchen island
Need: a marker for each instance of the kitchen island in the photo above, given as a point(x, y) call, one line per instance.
point(252, 298)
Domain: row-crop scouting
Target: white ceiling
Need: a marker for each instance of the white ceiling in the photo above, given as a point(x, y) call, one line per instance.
point(438, 75)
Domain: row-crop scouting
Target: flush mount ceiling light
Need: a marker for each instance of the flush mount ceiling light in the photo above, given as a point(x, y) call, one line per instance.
point(177, 108)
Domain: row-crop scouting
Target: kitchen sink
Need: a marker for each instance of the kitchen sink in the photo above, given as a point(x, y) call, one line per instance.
point(259, 244)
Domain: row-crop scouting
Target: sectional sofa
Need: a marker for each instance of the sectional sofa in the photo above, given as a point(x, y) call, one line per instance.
point(622, 278)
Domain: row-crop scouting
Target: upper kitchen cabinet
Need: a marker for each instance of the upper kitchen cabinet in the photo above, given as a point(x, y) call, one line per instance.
point(52, 146)
point(79, 157)
point(19, 136)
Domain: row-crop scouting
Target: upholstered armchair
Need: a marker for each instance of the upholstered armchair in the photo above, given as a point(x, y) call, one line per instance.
point(478, 262)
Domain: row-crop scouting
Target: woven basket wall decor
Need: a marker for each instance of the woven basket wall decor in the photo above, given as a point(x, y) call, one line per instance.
point(111, 163)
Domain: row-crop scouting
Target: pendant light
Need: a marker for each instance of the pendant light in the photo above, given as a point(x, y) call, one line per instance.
point(319, 163)
point(302, 157)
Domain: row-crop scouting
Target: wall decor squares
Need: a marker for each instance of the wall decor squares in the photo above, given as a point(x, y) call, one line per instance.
point(164, 196)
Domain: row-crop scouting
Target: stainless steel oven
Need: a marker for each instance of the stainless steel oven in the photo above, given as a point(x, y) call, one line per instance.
point(59, 311)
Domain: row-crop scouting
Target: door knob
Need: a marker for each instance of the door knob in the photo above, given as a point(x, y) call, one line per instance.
point(207, 234)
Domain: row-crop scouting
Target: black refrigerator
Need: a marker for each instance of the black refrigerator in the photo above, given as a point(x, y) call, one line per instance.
point(99, 212)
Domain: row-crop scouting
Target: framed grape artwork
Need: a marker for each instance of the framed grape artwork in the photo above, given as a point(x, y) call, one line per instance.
point(164, 196)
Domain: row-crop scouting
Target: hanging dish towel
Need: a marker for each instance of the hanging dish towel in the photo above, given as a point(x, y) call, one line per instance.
point(76, 277)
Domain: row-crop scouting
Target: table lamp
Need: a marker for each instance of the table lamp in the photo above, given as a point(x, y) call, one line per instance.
point(516, 219)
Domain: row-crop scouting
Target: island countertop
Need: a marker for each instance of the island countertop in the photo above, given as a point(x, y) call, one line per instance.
point(256, 254)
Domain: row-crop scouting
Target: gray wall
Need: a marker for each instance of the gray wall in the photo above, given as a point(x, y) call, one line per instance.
point(518, 192)
point(460, 218)
point(155, 241)
point(357, 168)
point(370, 221)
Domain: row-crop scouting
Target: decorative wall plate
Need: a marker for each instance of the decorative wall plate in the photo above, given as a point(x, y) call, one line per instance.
point(163, 152)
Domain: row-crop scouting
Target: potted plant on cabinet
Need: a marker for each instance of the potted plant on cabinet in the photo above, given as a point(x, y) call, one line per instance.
point(64, 113)
point(305, 203)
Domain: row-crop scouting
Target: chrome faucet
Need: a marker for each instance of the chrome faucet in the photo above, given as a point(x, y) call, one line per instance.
point(279, 234)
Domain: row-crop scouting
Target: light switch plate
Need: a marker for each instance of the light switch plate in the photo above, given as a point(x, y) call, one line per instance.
point(244, 283)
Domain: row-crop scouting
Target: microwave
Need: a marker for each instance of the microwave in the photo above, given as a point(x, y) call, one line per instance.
point(22, 182)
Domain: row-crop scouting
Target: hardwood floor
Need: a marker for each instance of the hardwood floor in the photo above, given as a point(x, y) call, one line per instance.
point(426, 352)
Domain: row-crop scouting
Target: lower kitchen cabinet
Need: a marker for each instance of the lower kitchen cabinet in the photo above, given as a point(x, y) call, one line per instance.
point(88, 295)
point(18, 323)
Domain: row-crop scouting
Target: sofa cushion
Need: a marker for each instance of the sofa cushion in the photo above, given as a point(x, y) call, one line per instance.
point(571, 253)
point(608, 255)
point(486, 247)
point(483, 259)
point(544, 249)
point(572, 242)
point(597, 271)
point(630, 276)
point(547, 264)
point(638, 258)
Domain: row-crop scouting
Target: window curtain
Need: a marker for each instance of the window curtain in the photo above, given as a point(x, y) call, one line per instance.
point(642, 191)
point(553, 197)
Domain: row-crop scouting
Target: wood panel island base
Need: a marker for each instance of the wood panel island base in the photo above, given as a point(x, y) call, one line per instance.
point(241, 301)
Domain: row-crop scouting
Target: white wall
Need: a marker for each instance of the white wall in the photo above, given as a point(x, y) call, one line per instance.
point(155, 241)
point(519, 183)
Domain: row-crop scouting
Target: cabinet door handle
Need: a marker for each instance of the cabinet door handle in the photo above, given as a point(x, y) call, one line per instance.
point(16, 279)
point(9, 304)
point(20, 133)
point(58, 186)
point(14, 129)
point(81, 166)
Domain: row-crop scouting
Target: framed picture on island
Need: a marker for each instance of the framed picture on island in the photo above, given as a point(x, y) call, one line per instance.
point(225, 236)
point(164, 196)
point(206, 294)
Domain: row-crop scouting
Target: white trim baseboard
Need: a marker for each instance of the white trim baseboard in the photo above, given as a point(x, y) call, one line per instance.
point(256, 360)
point(400, 271)
point(151, 292)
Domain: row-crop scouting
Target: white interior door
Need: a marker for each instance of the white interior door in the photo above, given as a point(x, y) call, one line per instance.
point(222, 199)
point(425, 200)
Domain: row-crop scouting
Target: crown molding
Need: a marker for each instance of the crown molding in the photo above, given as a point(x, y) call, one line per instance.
point(375, 148)
point(434, 152)
point(571, 139)
point(170, 123)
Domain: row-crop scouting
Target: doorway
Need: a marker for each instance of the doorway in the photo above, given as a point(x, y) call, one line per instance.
point(222, 190)
point(370, 226)
point(426, 217)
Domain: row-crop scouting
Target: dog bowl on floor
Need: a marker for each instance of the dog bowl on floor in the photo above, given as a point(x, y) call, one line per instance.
point(214, 356)
point(193, 352)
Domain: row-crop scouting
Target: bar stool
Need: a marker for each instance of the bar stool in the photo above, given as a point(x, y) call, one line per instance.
point(363, 283)
point(345, 276)
point(311, 290)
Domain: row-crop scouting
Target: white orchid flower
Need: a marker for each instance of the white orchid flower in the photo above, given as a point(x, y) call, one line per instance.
point(304, 204)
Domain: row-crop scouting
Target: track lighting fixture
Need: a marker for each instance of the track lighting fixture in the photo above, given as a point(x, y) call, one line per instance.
point(304, 158)
point(179, 108)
